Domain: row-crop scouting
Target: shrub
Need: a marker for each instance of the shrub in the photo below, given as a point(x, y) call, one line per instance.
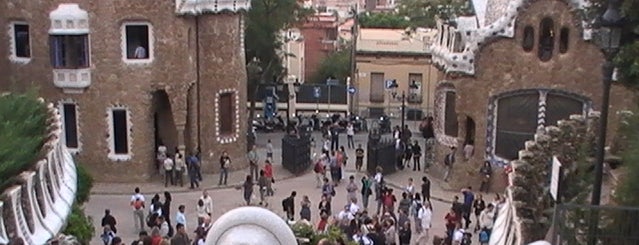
point(85, 183)
point(308, 231)
point(22, 132)
point(79, 225)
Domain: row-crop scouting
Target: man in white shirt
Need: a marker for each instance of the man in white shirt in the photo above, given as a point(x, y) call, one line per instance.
point(208, 202)
point(350, 133)
point(180, 218)
point(168, 171)
point(164, 226)
point(410, 188)
point(353, 207)
point(137, 202)
point(425, 217)
point(361, 238)
point(458, 235)
point(345, 215)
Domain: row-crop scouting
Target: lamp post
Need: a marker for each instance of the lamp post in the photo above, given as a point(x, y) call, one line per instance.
point(610, 39)
point(394, 87)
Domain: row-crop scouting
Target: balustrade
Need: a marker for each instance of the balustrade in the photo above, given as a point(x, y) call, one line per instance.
point(36, 209)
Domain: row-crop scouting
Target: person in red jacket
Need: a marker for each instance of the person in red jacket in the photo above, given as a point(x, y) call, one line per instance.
point(268, 173)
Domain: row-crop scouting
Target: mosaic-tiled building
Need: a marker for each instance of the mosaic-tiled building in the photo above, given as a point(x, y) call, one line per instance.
point(129, 75)
point(512, 68)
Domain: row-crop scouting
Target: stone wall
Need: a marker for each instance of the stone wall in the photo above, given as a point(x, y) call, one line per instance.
point(37, 209)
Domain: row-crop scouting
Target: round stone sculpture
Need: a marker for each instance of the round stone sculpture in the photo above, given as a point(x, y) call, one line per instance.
point(250, 226)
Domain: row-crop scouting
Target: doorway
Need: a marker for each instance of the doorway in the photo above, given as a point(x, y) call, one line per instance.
point(470, 131)
point(164, 129)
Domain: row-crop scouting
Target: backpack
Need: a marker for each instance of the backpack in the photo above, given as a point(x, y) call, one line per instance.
point(483, 236)
point(138, 204)
point(318, 167)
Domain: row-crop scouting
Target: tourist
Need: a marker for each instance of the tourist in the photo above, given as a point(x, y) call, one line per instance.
point(451, 218)
point(324, 206)
point(487, 219)
point(156, 238)
point(116, 241)
point(425, 189)
point(328, 190)
point(161, 156)
point(469, 149)
point(288, 204)
point(166, 211)
point(458, 235)
point(351, 189)
point(262, 184)
point(404, 203)
point(478, 205)
point(469, 197)
point(320, 170)
point(305, 211)
point(406, 135)
point(109, 220)
point(269, 150)
point(165, 229)
point(194, 162)
point(200, 236)
point(168, 165)
point(359, 157)
point(417, 154)
point(334, 133)
point(142, 237)
point(332, 162)
point(268, 173)
point(361, 238)
point(405, 233)
point(389, 200)
point(179, 168)
point(486, 171)
point(194, 169)
point(342, 159)
point(107, 235)
point(353, 207)
point(415, 207)
point(225, 164)
point(180, 217)
point(200, 210)
point(137, 202)
point(180, 238)
point(247, 188)
point(410, 188)
point(253, 162)
point(424, 221)
point(350, 133)
point(449, 161)
point(326, 148)
point(390, 234)
point(208, 202)
point(366, 190)
point(407, 154)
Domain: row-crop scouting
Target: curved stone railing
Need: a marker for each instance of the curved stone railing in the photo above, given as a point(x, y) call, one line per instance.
point(37, 208)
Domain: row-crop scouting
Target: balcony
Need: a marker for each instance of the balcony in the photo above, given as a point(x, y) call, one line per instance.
point(72, 81)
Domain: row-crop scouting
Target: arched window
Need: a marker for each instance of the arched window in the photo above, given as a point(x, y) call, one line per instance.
point(564, 34)
point(546, 39)
point(528, 42)
point(450, 116)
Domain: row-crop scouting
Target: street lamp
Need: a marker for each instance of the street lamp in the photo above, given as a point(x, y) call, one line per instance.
point(394, 87)
point(609, 41)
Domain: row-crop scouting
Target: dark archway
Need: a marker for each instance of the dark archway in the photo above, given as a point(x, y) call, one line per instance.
point(164, 129)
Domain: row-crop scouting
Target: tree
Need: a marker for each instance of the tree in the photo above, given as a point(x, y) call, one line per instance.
point(383, 20)
point(264, 21)
point(337, 65)
point(423, 13)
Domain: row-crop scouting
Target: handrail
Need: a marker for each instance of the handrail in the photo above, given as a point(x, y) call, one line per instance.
point(38, 207)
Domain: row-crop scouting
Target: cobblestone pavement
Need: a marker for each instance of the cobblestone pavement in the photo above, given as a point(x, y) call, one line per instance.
point(116, 196)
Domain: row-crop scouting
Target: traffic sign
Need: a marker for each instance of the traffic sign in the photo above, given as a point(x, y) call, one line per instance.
point(351, 90)
point(317, 92)
point(390, 83)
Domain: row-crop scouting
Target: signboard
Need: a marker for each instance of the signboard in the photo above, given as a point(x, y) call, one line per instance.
point(388, 84)
point(555, 178)
point(332, 82)
point(351, 90)
point(317, 92)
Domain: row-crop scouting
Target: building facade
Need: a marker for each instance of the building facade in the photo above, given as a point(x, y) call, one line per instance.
point(320, 40)
point(386, 55)
point(510, 70)
point(294, 56)
point(129, 76)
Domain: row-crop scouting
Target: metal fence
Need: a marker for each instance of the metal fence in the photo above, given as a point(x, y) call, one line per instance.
point(616, 225)
point(381, 154)
point(296, 153)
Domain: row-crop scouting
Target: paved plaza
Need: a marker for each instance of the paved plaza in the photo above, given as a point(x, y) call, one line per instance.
point(116, 196)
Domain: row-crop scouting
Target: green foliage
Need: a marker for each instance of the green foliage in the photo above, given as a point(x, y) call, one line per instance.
point(627, 62)
point(307, 231)
point(79, 225)
point(383, 20)
point(337, 65)
point(423, 13)
point(22, 133)
point(627, 189)
point(85, 183)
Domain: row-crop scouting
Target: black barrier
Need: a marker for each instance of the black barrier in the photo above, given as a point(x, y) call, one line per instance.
point(296, 153)
point(381, 153)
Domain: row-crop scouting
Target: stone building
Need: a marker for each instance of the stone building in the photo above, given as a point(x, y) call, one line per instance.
point(511, 69)
point(384, 55)
point(129, 75)
point(320, 40)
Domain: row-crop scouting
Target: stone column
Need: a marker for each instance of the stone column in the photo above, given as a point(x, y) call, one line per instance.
point(180, 137)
